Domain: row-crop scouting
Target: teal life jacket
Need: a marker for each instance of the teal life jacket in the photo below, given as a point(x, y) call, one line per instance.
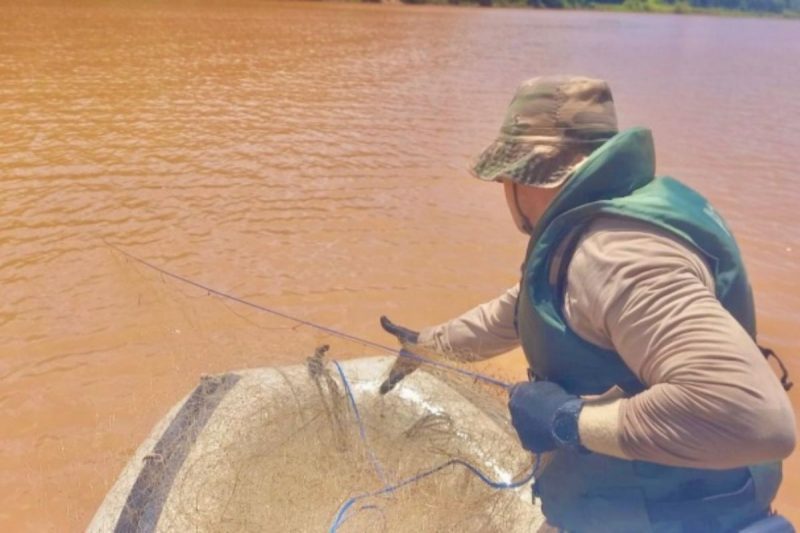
point(594, 492)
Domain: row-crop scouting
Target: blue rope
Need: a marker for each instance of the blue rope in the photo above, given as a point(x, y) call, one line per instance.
point(402, 353)
point(361, 429)
point(341, 515)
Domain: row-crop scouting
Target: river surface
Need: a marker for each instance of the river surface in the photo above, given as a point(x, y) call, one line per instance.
point(312, 157)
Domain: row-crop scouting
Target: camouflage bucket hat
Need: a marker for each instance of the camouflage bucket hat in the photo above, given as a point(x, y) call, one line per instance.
point(551, 124)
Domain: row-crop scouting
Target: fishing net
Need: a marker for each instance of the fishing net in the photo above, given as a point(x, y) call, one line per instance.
point(316, 447)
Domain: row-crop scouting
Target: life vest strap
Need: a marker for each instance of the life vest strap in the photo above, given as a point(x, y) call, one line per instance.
point(769, 352)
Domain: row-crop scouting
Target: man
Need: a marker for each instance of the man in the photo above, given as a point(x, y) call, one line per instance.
point(637, 320)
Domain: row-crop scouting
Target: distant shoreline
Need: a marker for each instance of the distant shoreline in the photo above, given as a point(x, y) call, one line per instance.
point(678, 7)
point(683, 8)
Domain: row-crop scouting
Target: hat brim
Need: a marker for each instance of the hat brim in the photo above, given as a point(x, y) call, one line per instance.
point(544, 162)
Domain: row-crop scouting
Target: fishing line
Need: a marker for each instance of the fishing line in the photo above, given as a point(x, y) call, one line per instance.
point(402, 352)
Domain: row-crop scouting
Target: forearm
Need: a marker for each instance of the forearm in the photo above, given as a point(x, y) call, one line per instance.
point(600, 429)
point(484, 331)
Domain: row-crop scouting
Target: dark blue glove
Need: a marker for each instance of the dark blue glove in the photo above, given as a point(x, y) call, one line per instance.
point(404, 335)
point(403, 366)
point(545, 416)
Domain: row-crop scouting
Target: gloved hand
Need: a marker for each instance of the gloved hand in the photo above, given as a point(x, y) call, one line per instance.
point(402, 366)
point(545, 416)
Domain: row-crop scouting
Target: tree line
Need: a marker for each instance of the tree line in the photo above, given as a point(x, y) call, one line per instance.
point(666, 6)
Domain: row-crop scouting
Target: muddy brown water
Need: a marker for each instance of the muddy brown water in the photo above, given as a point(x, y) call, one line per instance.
point(312, 157)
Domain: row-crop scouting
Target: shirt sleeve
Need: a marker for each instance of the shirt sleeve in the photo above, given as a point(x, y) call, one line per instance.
point(482, 332)
point(712, 401)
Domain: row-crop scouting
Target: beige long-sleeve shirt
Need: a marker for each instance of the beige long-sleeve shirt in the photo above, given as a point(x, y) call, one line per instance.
point(712, 400)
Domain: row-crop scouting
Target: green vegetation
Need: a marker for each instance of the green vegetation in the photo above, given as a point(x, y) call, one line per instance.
point(785, 8)
point(762, 7)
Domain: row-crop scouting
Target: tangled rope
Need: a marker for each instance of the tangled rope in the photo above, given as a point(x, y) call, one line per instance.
point(342, 515)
